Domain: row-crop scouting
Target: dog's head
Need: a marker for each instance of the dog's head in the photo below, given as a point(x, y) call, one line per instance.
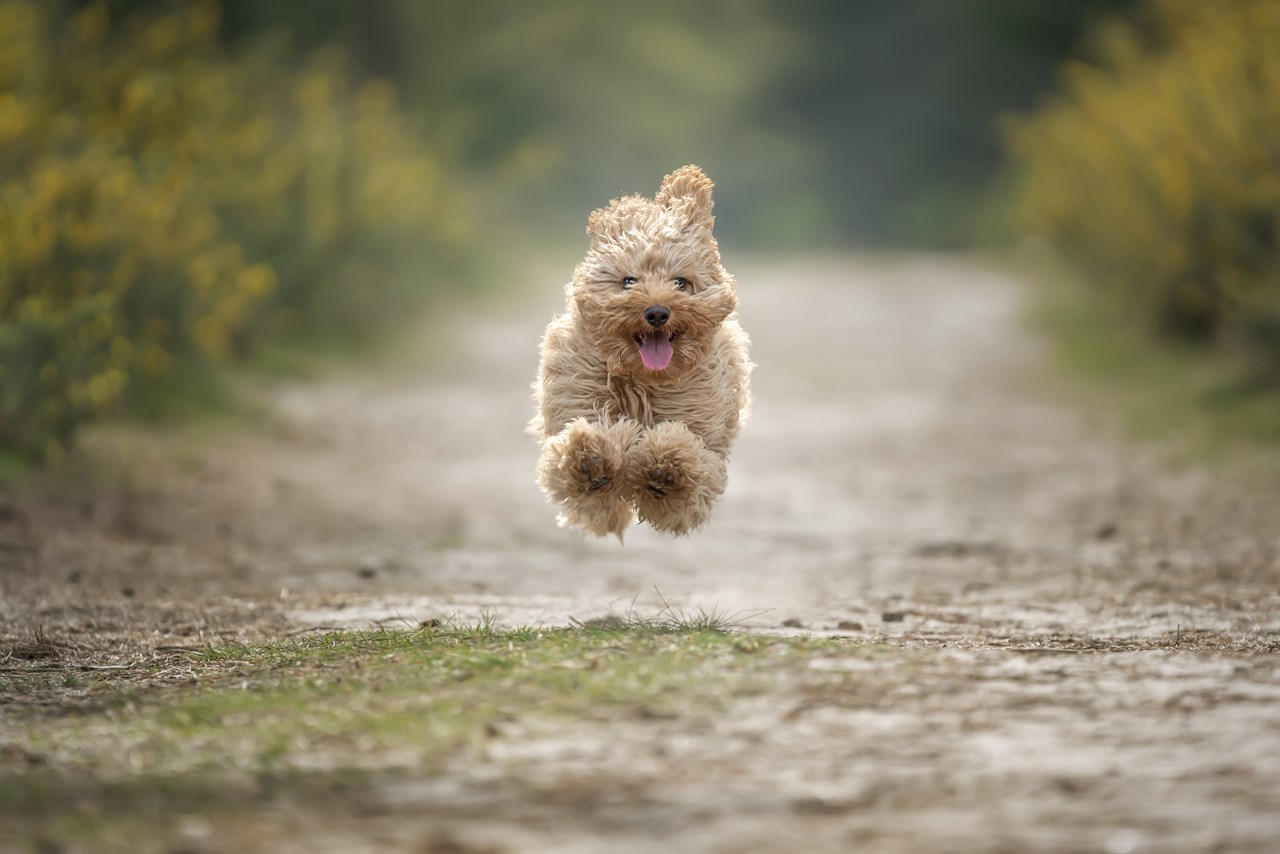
point(651, 292)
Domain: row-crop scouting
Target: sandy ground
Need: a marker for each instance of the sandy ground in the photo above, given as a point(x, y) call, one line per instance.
point(1089, 640)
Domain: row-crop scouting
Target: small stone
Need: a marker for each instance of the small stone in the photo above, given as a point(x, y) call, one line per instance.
point(1126, 841)
point(814, 805)
point(366, 571)
point(1106, 531)
point(127, 592)
point(191, 827)
point(792, 623)
point(849, 626)
point(893, 616)
point(73, 576)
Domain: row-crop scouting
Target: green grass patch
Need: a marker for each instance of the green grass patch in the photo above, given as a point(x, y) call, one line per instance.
point(1206, 403)
point(344, 695)
point(245, 723)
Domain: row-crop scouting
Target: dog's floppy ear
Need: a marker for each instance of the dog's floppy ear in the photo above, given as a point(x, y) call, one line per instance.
point(606, 224)
point(690, 187)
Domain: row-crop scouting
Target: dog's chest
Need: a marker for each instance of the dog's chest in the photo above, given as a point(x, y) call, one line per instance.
point(629, 399)
point(646, 404)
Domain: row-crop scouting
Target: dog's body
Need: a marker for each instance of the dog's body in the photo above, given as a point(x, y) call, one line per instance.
point(644, 380)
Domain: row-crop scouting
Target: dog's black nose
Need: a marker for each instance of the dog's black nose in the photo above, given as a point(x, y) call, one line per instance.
point(657, 315)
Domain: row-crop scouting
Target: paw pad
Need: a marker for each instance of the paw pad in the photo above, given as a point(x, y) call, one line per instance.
point(661, 479)
point(596, 474)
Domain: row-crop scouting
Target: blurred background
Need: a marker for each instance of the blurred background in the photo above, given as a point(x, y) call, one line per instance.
point(184, 185)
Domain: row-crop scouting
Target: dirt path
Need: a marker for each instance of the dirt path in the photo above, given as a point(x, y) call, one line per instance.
point(1089, 644)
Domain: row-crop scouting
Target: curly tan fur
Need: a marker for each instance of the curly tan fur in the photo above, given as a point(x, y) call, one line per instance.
point(620, 440)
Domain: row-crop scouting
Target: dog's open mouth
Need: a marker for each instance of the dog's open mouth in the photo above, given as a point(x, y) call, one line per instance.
point(655, 348)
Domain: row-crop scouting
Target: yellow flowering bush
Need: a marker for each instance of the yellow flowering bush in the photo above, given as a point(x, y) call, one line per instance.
point(1159, 168)
point(164, 205)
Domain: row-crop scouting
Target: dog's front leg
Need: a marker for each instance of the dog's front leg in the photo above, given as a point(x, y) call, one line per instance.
point(582, 469)
point(674, 478)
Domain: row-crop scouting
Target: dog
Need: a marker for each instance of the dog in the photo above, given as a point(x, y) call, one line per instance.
point(644, 380)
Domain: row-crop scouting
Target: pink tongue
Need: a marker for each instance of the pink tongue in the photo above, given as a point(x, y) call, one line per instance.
point(655, 351)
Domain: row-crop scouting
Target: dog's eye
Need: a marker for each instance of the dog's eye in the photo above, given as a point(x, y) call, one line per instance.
point(680, 282)
point(628, 281)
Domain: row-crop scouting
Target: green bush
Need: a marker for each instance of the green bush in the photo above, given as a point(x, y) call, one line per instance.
point(165, 204)
point(1158, 169)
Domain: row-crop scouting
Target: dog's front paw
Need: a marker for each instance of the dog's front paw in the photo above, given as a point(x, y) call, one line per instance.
point(665, 486)
point(664, 478)
point(582, 468)
point(597, 471)
point(586, 459)
point(674, 479)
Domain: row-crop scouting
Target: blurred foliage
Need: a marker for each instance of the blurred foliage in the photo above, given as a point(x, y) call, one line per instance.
point(1158, 168)
point(560, 106)
point(900, 99)
point(822, 121)
point(183, 180)
point(167, 206)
